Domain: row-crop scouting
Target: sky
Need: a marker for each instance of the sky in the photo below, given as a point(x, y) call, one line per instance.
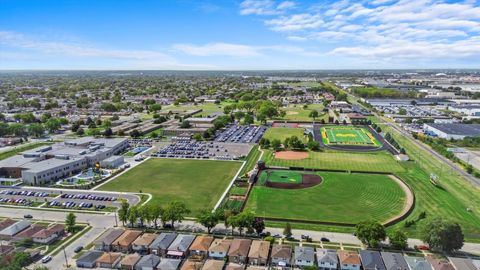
point(239, 34)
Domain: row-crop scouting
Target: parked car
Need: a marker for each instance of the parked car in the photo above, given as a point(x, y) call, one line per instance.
point(46, 259)
point(324, 239)
point(78, 249)
point(27, 216)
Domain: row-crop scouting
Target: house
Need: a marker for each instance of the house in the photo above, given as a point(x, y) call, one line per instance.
point(148, 262)
point(394, 261)
point(160, 245)
point(179, 246)
point(6, 223)
point(417, 263)
point(10, 231)
point(28, 233)
point(304, 256)
point(104, 242)
point(169, 264)
point(463, 264)
point(371, 260)
point(200, 245)
point(348, 260)
point(89, 259)
point(281, 255)
point(327, 259)
point(129, 262)
point(213, 265)
point(50, 234)
point(109, 260)
point(256, 267)
point(219, 248)
point(235, 266)
point(238, 251)
point(6, 249)
point(124, 242)
point(440, 264)
point(141, 244)
point(259, 251)
point(191, 265)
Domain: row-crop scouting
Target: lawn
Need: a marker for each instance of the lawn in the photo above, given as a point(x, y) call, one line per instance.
point(281, 134)
point(251, 160)
point(197, 183)
point(296, 112)
point(339, 160)
point(341, 197)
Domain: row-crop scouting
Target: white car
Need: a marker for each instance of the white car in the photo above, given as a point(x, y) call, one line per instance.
point(46, 259)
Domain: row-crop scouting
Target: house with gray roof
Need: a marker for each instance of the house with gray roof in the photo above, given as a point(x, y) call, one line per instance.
point(304, 256)
point(394, 261)
point(89, 259)
point(179, 246)
point(169, 264)
point(148, 262)
point(327, 259)
point(371, 260)
point(104, 242)
point(160, 245)
point(10, 231)
point(417, 263)
point(463, 263)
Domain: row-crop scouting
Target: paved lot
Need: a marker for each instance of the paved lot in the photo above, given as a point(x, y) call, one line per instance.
point(187, 148)
point(470, 157)
point(240, 134)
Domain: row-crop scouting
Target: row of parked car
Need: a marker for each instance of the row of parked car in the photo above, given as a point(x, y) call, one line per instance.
point(24, 193)
point(87, 197)
point(74, 204)
point(15, 201)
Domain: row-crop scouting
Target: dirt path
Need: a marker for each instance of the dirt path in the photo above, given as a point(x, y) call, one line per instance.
point(409, 201)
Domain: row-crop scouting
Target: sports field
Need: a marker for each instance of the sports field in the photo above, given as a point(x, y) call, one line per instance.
point(338, 160)
point(281, 176)
point(347, 135)
point(282, 133)
point(197, 183)
point(341, 197)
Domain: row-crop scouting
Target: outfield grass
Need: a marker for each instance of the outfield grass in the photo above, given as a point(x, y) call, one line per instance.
point(339, 160)
point(283, 133)
point(341, 197)
point(251, 160)
point(197, 183)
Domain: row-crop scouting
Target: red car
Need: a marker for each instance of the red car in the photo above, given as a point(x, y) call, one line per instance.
point(423, 247)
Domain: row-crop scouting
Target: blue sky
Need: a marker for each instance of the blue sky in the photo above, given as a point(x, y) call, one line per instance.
point(243, 34)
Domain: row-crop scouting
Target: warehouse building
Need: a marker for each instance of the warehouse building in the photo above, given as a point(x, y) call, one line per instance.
point(449, 131)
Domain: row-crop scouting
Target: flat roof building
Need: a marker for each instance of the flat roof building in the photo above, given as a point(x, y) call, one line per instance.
point(455, 131)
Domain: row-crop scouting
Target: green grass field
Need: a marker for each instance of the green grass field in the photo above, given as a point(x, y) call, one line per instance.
point(341, 197)
point(197, 183)
point(283, 133)
point(281, 176)
point(339, 160)
point(296, 112)
point(347, 136)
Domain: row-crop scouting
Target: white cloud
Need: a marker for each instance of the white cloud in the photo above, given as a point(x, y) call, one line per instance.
point(286, 5)
point(226, 49)
point(264, 7)
point(295, 22)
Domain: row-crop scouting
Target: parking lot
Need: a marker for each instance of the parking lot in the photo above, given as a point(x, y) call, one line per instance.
point(186, 148)
point(240, 134)
point(62, 198)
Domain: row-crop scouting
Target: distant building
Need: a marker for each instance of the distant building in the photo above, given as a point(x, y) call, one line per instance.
point(455, 131)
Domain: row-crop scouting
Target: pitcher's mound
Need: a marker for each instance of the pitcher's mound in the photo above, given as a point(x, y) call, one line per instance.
point(291, 155)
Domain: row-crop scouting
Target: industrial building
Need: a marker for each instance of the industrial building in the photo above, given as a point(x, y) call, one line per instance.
point(45, 164)
point(449, 131)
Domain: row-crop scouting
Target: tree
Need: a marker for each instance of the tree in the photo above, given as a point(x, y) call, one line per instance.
point(442, 235)
point(276, 144)
point(208, 219)
point(123, 211)
point(370, 233)
point(313, 114)
point(175, 212)
point(287, 230)
point(264, 143)
point(258, 225)
point(135, 133)
point(245, 220)
point(36, 130)
point(52, 125)
point(313, 145)
point(133, 215)
point(70, 222)
point(248, 119)
point(108, 132)
point(156, 212)
point(398, 239)
point(185, 124)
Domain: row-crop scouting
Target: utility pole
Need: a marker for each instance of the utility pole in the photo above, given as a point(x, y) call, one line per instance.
point(116, 222)
point(65, 255)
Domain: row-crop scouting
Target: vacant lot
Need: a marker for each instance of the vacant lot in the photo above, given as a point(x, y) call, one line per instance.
point(341, 197)
point(197, 183)
point(338, 160)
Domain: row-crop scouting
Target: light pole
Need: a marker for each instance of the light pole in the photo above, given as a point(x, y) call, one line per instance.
point(65, 255)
